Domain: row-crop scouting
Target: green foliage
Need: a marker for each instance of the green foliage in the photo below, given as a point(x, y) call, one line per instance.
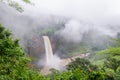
point(27, 1)
point(76, 49)
point(112, 63)
point(112, 67)
point(110, 51)
point(13, 63)
point(78, 74)
point(101, 56)
point(15, 4)
point(4, 33)
point(82, 64)
point(117, 42)
point(81, 69)
point(112, 56)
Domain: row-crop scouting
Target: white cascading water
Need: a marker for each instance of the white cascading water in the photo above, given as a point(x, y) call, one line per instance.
point(48, 49)
point(53, 61)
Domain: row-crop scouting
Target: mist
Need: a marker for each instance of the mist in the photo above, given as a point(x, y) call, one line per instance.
point(73, 19)
point(93, 22)
point(94, 11)
point(102, 16)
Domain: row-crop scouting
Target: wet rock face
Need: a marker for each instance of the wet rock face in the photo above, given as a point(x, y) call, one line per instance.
point(36, 46)
point(36, 49)
point(53, 44)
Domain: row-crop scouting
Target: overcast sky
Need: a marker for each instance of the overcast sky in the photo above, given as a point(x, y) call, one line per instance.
point(88, 10)
point(84, 15)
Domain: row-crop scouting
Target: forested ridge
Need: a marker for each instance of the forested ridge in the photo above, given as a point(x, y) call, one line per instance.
point(69, 37)
point(14, 64)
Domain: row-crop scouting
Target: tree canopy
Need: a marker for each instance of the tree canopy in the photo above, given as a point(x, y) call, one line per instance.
point(13, 62)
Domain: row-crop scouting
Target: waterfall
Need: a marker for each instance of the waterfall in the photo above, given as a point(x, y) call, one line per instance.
point(53, 61)
point(48, 49)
